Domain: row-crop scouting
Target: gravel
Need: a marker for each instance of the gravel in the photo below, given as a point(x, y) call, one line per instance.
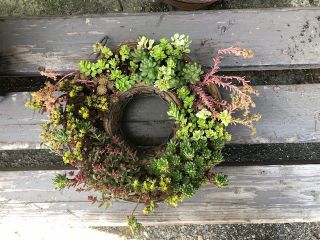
point(287, 231)
point(40, 159)
point(237, 154)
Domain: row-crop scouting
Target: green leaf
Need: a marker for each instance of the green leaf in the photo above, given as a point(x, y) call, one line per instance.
point(158, 53)
point(124, 52)
point(225, 117)
point(203, 114)
point(220, 180)
point(60, 181)
point(134, 225)
point(191, 72)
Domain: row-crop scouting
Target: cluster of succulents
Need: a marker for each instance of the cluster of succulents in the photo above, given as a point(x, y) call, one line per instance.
point(77, 103)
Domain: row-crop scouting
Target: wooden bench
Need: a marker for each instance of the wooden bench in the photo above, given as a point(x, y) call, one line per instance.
point(281, 39)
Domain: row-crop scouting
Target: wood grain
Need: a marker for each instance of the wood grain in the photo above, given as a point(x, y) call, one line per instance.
point(19, 127)
point(280, 38)
point(145, 121)
point(290, 114)
point(268, 194)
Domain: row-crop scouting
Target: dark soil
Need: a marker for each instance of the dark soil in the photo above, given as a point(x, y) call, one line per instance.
point(287, 231)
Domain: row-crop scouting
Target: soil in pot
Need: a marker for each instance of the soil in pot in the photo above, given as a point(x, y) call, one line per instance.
point(190, 5)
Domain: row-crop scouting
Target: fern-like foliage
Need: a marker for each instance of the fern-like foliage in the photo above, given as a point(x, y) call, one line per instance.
point(240, 91)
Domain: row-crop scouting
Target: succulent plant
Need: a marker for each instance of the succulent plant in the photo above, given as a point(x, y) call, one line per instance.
point(108, 164)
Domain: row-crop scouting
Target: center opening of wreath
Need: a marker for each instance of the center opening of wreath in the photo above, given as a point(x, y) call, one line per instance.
point(145, 121)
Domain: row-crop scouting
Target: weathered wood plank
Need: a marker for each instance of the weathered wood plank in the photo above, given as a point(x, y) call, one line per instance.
point(145, 121)
point(19, 127)
point(289, 39)
point(269, 194)
point(290, 115)
point(146, 107)
point(148, 133)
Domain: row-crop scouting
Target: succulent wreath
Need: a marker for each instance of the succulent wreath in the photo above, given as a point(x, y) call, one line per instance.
point(85, 106)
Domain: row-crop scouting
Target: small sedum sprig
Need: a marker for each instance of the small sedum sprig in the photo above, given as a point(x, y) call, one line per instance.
point(61, 181)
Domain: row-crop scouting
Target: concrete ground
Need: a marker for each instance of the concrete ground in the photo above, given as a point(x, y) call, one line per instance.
point(36, 231)
point(294, 231)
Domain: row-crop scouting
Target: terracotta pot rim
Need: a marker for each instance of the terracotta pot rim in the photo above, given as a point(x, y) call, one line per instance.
point(190, 5)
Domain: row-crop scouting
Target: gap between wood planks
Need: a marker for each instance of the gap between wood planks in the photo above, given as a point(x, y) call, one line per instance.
point(276, 77)
point(234, 155)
